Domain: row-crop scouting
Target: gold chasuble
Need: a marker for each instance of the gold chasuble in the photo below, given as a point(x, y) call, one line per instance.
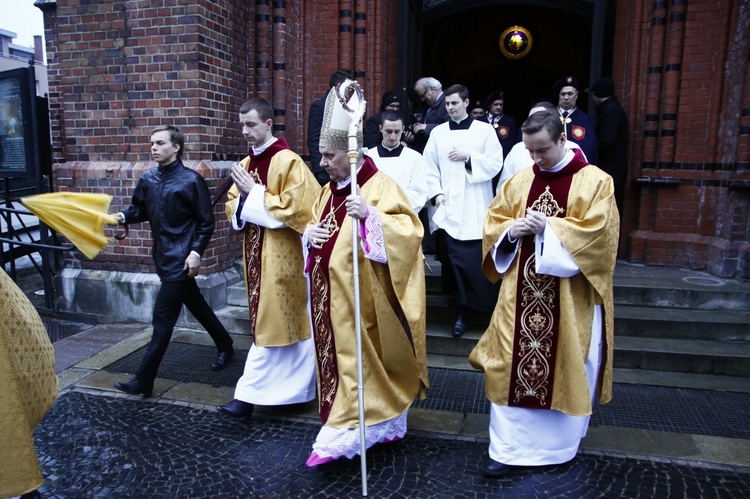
point(533, 352)
point(273, 262)
point(392, 307)
point(28, 387)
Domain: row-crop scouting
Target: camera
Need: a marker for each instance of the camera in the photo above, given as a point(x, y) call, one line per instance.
point(417, 117)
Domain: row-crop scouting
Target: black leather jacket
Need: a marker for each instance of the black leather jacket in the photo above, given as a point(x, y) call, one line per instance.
point(176, 202)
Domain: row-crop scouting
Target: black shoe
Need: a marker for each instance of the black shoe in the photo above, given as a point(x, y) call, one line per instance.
point(495, 469)
point(460, 326)
point(133, 387)
point(237, 408)
point(222, 360)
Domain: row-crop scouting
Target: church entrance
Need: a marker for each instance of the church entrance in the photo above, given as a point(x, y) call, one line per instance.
point(522, 48)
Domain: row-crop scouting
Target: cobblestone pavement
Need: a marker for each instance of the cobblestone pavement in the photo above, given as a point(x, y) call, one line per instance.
point(100, 445)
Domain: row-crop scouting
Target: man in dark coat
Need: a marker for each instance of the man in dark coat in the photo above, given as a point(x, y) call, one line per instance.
point(612, 133)
point(176, 203)
point(504, 125)
point(430, 92)
point(373, 136)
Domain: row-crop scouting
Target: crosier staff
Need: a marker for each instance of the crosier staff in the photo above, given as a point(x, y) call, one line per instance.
point(353, 101)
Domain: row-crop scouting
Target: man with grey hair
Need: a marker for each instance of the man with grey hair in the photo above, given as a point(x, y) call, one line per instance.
point(430, 92)
point(392, 301)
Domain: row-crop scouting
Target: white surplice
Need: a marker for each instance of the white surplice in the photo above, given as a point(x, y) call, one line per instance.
point(467, 193)
point(409, 172)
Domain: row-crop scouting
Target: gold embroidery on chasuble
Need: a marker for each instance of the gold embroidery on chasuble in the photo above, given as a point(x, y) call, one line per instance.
point(253, 241)
point(537, 322)
point(547, 205)
point(253, 248)
point(324, 339)
point(535, 335)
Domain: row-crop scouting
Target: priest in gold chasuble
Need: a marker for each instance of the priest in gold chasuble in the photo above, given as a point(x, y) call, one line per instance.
point(392, 297)
point(28, 387)
point(553, 231)
point(271, 203)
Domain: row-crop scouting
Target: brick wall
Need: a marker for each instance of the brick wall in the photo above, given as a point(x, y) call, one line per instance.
point(686, 100)
point(120, 68)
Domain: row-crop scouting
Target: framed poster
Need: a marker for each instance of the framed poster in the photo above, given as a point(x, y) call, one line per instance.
point(17, 158)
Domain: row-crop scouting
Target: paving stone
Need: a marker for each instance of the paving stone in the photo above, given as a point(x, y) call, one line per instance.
point(101, 446)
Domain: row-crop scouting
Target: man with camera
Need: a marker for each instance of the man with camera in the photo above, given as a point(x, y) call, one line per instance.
point(430, 91)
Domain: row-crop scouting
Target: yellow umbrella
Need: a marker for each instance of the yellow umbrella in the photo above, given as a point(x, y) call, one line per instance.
point(78, 216)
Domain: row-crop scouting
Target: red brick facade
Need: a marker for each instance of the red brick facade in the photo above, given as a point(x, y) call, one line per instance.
point(683, 68)
point(119, 68)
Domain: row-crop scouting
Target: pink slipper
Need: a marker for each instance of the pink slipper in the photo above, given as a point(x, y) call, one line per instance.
point(394, 439)
point(315, 460)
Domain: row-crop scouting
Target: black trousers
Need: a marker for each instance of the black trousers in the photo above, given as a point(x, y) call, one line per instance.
point(462, 273)
point(172, 295)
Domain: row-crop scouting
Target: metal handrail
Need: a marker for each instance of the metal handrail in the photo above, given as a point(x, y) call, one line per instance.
point(30, 244)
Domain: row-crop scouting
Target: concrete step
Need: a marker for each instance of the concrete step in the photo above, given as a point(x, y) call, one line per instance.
point(682, 380)
point(631, 320)
point(629, 376)
point(235, 319)
point(635, 286)
point(676, 323)
point(680, 294)
point(654, 286)
point(237, 295)
point(687, 356)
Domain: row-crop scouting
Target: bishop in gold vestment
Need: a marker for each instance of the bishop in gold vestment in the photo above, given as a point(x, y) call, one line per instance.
point(553, 231)
point(392, 301)
point(28, 387)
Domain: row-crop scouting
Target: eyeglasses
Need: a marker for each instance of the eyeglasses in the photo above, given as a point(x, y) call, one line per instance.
point(426, 91)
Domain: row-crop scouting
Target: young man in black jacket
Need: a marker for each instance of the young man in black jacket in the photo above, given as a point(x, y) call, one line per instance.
point(176, 202)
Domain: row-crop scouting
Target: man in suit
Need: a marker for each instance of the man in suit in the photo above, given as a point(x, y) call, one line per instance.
point(430, 92)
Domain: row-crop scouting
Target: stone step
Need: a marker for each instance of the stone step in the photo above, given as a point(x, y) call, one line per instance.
point(237, 295)
point(689, 324)
point(633, 286)
point(732, 296)
point(724, 358)
point(641, 354)
point(630, 320)
point(629, 376)
point(235, 319)
point(687, 356)
point(694, 381)
point(654, 286)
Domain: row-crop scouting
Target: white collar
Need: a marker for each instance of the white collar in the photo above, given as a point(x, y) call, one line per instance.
point(567, 158)
point(260, 149)
point(347, 180)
